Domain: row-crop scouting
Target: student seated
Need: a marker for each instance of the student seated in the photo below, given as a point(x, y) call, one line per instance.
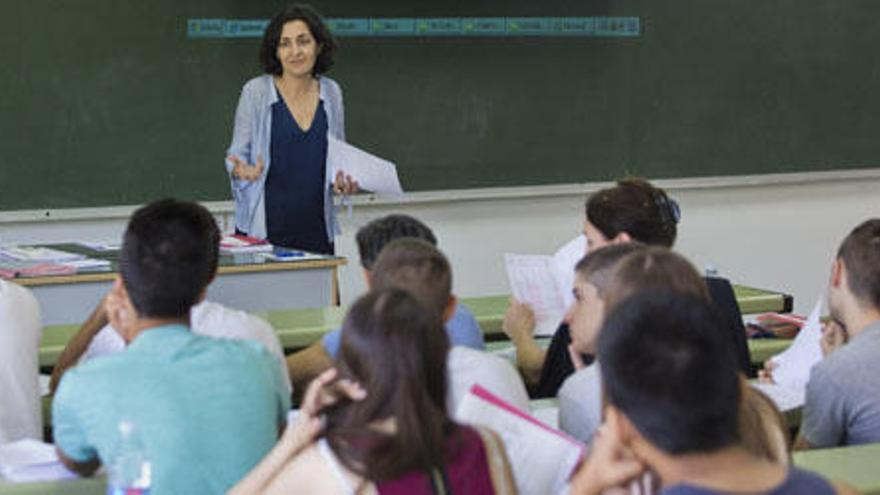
point(96, 337)
point(207, 409)
point(843, 395)
point(462, 327)
point(420, 268)
point(632, 210)
point(391, 434)
point(673, 394)
point(609, 275)
point(20, 330)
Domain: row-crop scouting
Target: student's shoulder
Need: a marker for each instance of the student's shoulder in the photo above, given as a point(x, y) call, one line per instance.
point(585, 377)
point(216, 320)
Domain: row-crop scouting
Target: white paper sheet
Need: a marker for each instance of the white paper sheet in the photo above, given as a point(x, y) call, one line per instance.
point(545, 282)
point(31, 460)
point(371, 172)
point(792, 367)
point(786, 398)
point(533, 281)
point(541, 458)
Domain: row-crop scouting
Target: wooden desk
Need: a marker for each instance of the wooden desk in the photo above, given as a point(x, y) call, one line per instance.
point(856, 466)
point(245, 282)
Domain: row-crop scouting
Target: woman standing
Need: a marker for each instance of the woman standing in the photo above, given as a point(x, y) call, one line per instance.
point(277, 161)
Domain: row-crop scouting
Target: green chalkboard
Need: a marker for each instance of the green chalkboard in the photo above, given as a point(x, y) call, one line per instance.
point(108, 102)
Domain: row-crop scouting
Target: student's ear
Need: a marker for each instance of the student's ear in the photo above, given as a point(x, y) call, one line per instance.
point(450, 308)
point(625, 430)
point(838, 274)
point(367, 277)
point(622, 238)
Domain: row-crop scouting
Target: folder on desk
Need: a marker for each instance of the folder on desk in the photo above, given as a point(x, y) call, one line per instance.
point(542, 458)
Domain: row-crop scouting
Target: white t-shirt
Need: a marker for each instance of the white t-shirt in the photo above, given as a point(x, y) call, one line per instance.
point(580, 403)
point(468, 367)
point(210, 319)
point(20, 331)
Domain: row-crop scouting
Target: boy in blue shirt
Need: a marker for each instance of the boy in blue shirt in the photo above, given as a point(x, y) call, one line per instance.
point(462, 328)
point(206, 409)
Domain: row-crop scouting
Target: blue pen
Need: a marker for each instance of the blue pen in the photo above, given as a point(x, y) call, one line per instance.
point(287, 253)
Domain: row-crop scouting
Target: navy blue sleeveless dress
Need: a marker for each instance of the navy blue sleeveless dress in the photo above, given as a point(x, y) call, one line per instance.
point(296, 182)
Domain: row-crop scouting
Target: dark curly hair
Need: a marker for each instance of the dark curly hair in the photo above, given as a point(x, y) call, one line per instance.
point(272, 35)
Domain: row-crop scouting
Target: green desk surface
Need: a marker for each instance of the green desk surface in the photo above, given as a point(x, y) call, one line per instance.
point(87, 486)
point(297, 328)
point(759, 349)
point(856, 466)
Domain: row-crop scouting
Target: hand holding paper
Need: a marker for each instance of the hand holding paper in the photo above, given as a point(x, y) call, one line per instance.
point(363, 170)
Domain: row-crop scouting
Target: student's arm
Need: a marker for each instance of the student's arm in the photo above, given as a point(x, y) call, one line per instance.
point(305, 365)
point(801, 443)
point(843, 488)
point(86, 468)
point(519, 325)
point(71, 442)
point(324, 391)
point(824, 414)
point(78, 345)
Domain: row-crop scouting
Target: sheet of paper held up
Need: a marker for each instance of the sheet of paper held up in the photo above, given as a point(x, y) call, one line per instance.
point(371, 172)
point(793, 365)
point(545, 282)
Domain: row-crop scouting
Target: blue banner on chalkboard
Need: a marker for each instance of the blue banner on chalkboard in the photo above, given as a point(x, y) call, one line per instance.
point(435, 26)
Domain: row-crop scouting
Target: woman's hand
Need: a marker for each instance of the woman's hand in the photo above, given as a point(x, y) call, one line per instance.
point(321, 393)
point(344, 184)
point(243, 170)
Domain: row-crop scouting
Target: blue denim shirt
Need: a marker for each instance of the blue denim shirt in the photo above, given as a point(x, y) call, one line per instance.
point(462, 329)
point(250, 139)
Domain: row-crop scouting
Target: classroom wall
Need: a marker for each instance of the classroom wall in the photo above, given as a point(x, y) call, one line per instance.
point(768, 232)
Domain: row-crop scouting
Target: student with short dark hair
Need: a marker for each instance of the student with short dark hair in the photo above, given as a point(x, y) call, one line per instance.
point(206, 409)
point(389, 430)
point(462, 327)
point(96, 337)
point(673, 393)
point(631, 210)
point(842, 400)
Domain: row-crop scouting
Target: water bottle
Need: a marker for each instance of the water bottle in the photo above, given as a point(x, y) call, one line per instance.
point(129, 470)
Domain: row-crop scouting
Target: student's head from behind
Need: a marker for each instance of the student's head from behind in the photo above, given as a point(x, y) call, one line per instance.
point(632, 210)
point(372, 237)
point(653, 268)
point(855, 275)
point(397, 351)
point(670, 381)
point(169, 255)
point(299, 29)
point(421, 269)
point(591, 282)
